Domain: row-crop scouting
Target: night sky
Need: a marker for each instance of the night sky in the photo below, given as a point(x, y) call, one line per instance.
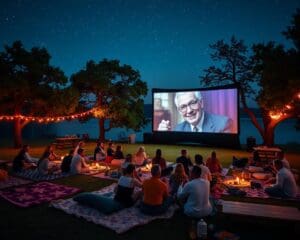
point(166, 40)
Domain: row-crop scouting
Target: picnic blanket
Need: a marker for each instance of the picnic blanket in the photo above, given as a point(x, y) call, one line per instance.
point(13, 181)
point(258, 193)
point(34, 175)
point(36, 193)
point(119, 222)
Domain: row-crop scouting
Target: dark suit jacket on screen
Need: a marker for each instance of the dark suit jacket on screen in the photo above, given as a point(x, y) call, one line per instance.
point(211, 123)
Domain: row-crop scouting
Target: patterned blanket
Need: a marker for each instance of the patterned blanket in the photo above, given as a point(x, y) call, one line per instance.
point(258, 193)
point(119, 222)
point(36, 193)
point(34, 175)
point(13, 181)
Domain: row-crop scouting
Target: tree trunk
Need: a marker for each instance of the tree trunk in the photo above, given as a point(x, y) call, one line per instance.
point(269, 135)
point(101, 129)
point(17, 133)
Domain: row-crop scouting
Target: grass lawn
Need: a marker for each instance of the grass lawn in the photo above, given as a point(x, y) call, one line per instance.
point(43, 222)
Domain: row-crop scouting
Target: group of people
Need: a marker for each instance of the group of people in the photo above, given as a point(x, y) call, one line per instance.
point(188, 185)
point(74, 162)
point(283, 183)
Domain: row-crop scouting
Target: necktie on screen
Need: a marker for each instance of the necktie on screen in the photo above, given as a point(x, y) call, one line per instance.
point(195, 129)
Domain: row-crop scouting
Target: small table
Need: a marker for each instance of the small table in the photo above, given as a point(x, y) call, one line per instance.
point(266, 153)
point(66, 142)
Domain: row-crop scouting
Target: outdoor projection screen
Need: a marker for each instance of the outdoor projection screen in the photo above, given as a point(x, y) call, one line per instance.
point(211, 110)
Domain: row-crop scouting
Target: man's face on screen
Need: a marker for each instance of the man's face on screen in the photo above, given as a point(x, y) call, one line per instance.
point(190, 107)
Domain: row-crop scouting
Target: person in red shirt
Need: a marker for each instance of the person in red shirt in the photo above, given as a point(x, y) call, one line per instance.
point(213, 163)
point(156, 198)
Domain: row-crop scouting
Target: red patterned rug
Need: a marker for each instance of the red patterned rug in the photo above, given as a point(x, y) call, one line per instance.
point(37, 193)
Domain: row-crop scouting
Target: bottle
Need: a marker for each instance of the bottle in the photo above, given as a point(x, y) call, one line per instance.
point(201, 229)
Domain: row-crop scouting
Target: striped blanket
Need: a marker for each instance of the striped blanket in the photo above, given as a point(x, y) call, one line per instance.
point(34, 175)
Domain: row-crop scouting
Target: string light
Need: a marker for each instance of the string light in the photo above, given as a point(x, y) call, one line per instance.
point(95, 111)
point(278, 114)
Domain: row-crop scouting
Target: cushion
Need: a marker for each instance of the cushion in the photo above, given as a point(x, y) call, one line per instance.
point(102, 203)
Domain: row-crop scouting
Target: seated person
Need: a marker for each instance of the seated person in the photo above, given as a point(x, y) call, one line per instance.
point(126, 185)
point(110, 153)
point(213, 164)
point(43, 164)
point(23, 159)
point(53, 156)
point(128, 161)
point(177, 178)
point(185, 160)
point(285, 185)
point(119, 153)
point(195, 195)
point(78, 164)
point(156, 199)
point(99, 152)
point(141, 158)
point(158, 159)
point(66, 162)
point(205, 172)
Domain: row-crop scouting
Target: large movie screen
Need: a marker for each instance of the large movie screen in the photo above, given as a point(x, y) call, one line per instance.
point(196, 111)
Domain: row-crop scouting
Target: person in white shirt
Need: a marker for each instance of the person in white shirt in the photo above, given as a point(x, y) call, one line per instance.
point(205, 172)
point(195, 195)
point(140, 158)
point(285, 185)
point(78, 164)
point(125, 189)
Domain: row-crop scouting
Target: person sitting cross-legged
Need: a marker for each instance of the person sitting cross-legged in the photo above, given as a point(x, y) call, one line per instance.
point(156, 199)
point(126, 185)
point(185, 160)
point(195, 195)
point(205, 172)
point(285, 185)
point(78, 164)
point(177, 178)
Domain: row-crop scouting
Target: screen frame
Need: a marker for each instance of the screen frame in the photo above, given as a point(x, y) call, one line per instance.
point(165, 90)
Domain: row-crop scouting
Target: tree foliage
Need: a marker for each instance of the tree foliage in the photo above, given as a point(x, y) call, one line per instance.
point(271, 67)
point(116, 90)
point(31, 86)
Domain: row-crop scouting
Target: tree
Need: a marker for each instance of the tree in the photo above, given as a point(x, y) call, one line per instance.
point(272, 68)
point(30, 86)
point(116, 90)
point(279, 85)
point(236, 67)
point(293, 31)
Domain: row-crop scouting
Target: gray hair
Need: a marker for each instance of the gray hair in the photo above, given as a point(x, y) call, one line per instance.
point(178, 94)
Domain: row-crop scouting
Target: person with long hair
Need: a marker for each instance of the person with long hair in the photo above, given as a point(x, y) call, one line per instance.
point(126, 185)
point(23, 159)
point(213, 164)
point(158, 159)
point(43, 163)
point(177, 178)
point(141, 158)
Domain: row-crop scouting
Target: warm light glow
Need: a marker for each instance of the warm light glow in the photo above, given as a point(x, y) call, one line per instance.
point(274, 115)
point(298, 95)
point(288, 106)
point(49, 119)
